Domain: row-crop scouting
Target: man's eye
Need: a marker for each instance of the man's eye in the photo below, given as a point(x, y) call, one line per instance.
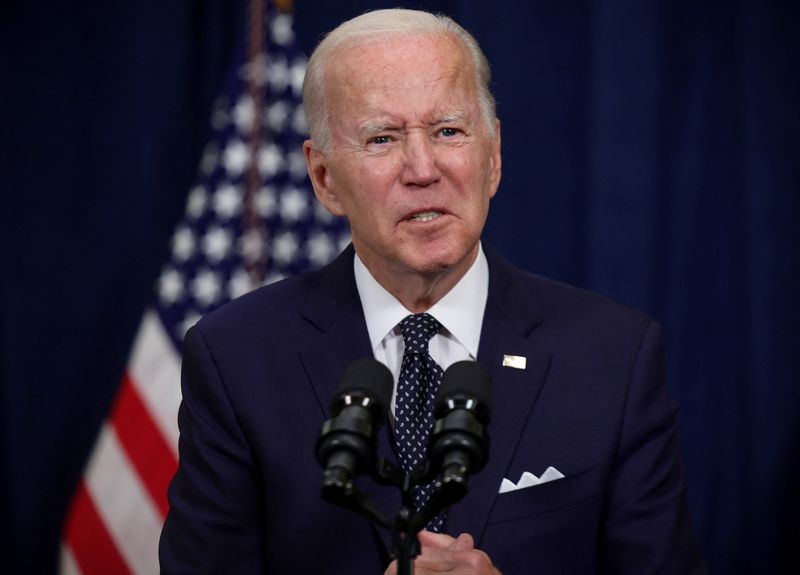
point(448, 132)
point(381, 140)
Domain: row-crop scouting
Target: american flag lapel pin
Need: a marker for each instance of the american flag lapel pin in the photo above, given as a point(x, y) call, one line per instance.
point(515, 361)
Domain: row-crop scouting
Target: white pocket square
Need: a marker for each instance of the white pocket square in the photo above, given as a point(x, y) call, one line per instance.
point(528, 479)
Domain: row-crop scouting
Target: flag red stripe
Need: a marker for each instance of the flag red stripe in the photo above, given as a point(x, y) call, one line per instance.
point(92, 546)
point(144, 444)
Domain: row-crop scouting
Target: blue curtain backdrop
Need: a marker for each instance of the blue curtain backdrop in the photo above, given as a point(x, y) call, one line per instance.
point(651, 153)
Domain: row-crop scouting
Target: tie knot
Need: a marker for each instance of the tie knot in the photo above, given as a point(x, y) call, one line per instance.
point(418, 329)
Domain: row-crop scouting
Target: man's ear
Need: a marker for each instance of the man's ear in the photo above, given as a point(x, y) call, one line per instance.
point(496, 161)
point(321, 178)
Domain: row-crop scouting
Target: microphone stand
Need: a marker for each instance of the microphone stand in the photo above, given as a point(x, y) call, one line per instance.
point(458, 446)
point(447, 490)
point(451, 486)
point(405, 543)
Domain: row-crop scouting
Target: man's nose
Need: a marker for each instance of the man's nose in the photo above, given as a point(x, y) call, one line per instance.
point(420, 166)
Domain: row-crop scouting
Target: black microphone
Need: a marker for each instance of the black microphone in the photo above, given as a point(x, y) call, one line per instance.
point(346, 444)
point(459, 444)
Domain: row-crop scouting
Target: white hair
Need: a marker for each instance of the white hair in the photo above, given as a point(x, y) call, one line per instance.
point(391, 23)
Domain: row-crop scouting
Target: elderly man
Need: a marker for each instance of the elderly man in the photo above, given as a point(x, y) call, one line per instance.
point(584, 474)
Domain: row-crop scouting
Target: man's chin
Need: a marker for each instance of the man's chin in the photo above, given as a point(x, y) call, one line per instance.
point(434, 263)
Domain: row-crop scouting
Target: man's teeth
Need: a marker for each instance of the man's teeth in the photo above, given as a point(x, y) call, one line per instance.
point(425, 216)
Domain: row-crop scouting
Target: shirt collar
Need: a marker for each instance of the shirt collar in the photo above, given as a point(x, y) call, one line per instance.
point(460, 311)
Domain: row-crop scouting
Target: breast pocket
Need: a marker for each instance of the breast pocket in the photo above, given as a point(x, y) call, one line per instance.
point(546, 497)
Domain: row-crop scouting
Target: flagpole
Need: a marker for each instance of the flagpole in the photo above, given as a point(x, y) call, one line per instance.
point(253, 224)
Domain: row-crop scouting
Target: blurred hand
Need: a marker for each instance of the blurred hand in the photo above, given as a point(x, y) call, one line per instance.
point(444, 554)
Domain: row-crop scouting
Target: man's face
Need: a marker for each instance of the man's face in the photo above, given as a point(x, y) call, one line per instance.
point(412, 164)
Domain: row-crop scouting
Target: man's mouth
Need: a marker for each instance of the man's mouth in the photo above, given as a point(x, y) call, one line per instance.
point(425, 216)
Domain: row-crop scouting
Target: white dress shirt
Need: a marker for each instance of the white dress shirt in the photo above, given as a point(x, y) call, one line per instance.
point(460, 312)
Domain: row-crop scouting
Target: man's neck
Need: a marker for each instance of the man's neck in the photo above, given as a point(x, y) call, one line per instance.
point(417, 291)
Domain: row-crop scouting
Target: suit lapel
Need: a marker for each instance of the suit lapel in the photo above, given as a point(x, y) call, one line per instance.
point(508, 322)
point(334, 308)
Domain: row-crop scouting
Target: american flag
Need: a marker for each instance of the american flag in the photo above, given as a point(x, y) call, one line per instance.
point(250, 219)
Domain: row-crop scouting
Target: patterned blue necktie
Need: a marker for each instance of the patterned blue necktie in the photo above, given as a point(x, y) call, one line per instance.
point(420, 377)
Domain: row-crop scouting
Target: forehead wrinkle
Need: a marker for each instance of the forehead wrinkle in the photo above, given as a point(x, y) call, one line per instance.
point(372, 127)
point(449, 76)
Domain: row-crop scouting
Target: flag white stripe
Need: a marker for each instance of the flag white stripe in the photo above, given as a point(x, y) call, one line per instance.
point(124, 506)
point(155, 368)
point(67, 564)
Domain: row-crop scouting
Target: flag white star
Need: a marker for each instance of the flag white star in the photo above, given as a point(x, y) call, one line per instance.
point(236, 157)
point(217, 243)
point(277, 114)
point(255, 71)
point(270, 160)
point(240, 283)
point(294, 204)
point(273, 276)
point(170, 287)
point(282, 32)
point(322, 214)
point(297, 165)
point(299, 123)
point(265, 201)
point(279, 76)
point(183, 244)
point(297, 74)
point(345, 239)
point(320, 248)
point(190, 319)
point(227, 201)
point(284, 247)
point(196, 204)
point(244, 114)
point(206, 287)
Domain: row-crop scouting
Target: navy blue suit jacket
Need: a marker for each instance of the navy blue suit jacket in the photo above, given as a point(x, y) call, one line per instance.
point(259, 374)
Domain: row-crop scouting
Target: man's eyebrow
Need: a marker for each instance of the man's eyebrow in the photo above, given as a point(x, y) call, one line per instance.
point(372, 128)
point(450, 117)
